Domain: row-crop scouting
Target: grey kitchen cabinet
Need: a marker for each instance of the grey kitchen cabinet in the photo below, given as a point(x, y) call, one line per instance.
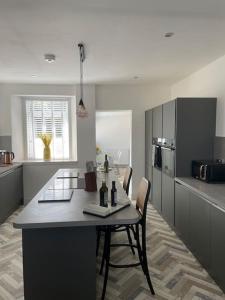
point(157, 189)
point(218, 245)
point(169, 120)
point(11, 192)
point(148, 144)
point(168, 198)
point(199, 228)
point(182, 196)
point(195, 132)
point(157, 121)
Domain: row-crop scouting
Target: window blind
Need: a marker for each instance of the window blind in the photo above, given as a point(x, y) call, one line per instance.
point(51, 117)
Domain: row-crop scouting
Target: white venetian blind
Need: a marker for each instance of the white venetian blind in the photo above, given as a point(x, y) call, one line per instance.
point(47, 116)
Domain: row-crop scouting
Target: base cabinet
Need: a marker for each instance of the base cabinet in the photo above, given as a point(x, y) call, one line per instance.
point(199, 228)
point(182, 196)
point(157, 189)
point(168, 198)
point(11, 192)
point(218, 246)
point(201, 225)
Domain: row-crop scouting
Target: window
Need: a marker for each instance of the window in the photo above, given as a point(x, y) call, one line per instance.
point(49, 116)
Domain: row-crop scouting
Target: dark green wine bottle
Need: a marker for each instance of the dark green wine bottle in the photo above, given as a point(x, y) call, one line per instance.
point(103, 195)
point(106, 164)
point(113, 194)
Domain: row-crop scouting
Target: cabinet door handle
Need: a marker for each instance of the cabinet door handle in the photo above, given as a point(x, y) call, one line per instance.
point(178, 182)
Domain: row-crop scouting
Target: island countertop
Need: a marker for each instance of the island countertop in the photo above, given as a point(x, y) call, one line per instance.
point(69, 214)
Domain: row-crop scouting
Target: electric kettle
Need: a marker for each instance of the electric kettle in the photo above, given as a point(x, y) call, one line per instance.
point(8, 157)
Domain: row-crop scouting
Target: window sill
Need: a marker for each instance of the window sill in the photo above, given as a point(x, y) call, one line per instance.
point(49, 162)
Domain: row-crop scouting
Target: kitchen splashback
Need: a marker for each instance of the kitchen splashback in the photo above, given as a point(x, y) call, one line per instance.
point(6, 143)
point(219, 147)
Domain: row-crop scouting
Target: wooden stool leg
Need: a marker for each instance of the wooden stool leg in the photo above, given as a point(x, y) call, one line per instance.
point(145, 260)
point(130, 240)
point(139, 248)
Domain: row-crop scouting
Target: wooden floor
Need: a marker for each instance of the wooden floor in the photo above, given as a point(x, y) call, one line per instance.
point(175, 272)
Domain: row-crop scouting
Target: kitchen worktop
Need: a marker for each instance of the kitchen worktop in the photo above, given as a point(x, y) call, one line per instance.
point(213, 192)
point(6, 168)
point(67, 214)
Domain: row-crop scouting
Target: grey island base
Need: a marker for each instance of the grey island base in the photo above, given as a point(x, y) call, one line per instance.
point(59, 244)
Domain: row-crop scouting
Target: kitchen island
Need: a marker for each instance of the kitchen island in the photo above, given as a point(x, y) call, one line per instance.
point(59, 243)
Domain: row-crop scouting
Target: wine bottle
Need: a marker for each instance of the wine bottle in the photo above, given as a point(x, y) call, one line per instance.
point(106, 164)
point(103, 195)
point(113, 194)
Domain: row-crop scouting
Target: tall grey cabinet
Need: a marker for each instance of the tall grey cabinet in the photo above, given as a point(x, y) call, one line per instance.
point(156, 174)
point(189, 125)
point(148, 144)
point(168, 133)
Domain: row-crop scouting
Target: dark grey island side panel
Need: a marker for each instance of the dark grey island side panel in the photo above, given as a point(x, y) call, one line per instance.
point(59, 263)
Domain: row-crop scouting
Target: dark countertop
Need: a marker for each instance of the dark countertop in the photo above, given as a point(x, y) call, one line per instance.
point(213, 192)
point(70, 214)
point(6, 168)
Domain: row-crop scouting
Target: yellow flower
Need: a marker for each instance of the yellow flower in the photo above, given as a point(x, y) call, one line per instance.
point(46, 138)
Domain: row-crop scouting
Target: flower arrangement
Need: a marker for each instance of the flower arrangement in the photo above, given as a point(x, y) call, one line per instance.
point(46, 139)
point(98, 150)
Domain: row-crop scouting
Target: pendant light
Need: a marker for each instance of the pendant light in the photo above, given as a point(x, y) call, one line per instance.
point(81, 109)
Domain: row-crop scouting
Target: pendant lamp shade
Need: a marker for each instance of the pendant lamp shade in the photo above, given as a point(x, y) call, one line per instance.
point(81, 109)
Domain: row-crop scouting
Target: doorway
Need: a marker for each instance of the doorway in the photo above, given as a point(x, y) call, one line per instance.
point(113, 137)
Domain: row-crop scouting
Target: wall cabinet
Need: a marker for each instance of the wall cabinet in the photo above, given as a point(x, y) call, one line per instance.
point(169, 120)
point(11, 192)
point(157, 121)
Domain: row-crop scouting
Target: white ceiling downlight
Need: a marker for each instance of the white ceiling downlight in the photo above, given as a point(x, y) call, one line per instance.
point(50, 58)
point(169, 34)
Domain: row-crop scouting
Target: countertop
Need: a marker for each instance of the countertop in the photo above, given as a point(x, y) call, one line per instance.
point(69, 214)
point(213, 192)
point(6, 168)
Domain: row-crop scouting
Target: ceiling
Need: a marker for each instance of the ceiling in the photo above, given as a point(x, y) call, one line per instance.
point(123, 39)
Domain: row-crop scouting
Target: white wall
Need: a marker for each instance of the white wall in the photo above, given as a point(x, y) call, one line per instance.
point(113, 134)
point(85, 127)
point(207, 82)
point(136, 98)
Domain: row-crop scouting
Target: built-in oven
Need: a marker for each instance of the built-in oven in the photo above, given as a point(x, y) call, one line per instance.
point(157, 153)
point(168, 159)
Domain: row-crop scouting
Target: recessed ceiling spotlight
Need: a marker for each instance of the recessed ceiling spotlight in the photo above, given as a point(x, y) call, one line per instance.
point(50, 58)
point(169, 34)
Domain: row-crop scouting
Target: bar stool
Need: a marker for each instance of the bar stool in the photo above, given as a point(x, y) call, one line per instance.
point(119, 228)
point(141, 206)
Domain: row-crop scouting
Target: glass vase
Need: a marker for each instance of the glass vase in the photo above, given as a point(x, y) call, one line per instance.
point(47, 153)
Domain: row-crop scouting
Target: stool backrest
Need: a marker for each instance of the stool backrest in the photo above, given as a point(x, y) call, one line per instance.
point(127, 178)
point(143, 196)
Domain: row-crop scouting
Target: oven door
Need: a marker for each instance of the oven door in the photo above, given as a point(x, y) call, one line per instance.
point(168, 161)
point(157, 156)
